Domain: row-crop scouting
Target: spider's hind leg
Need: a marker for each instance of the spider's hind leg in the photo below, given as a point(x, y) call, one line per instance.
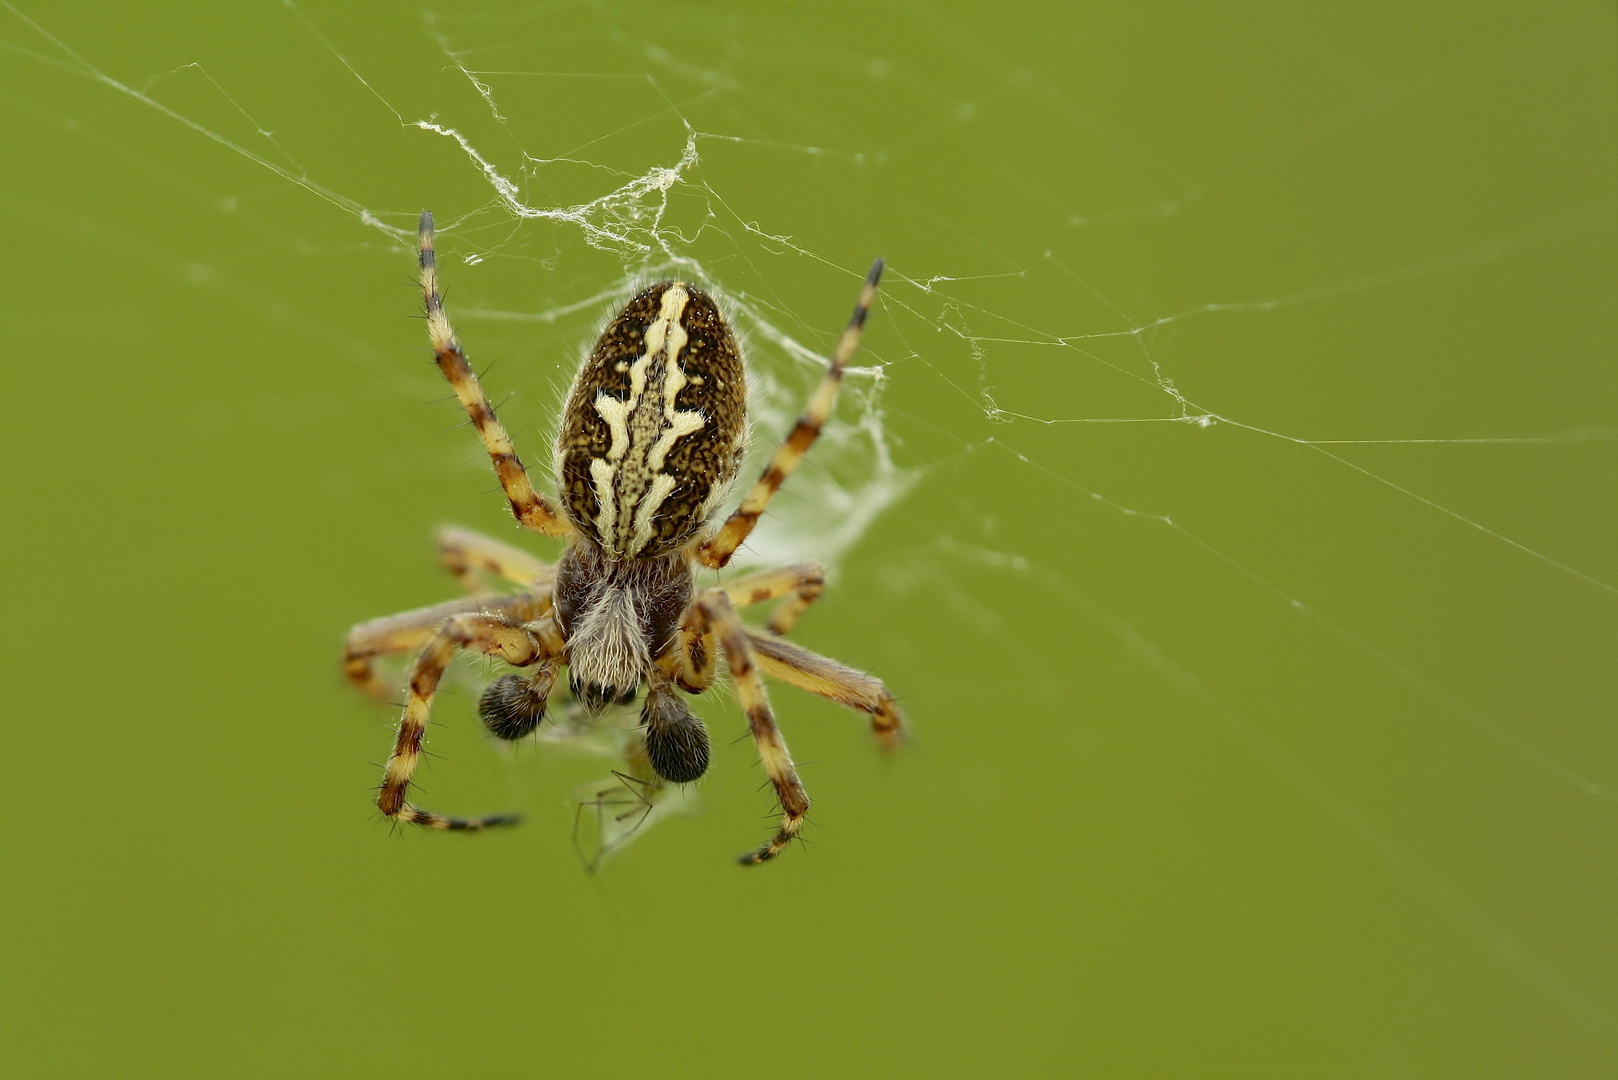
point(716, 551)
point(527, 505)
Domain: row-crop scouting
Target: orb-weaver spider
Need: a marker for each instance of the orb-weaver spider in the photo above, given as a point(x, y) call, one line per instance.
point(651, 438)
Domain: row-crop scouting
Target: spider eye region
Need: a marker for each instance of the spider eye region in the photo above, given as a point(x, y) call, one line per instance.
point(598, 697)
point(653, 429)
point(617, 615)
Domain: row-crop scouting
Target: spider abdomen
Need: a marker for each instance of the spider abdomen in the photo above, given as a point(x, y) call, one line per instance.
point(654, 424)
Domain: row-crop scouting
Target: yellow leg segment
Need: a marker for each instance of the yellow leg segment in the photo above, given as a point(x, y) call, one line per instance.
point(801, 584)
point(411, 630)
point(530, 508)
point(772, 748)
point(466, 554)
point(792, 663)
point(500, 636)
point(718, 549)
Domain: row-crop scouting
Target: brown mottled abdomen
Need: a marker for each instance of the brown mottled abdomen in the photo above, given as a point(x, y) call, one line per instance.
point(653, 430)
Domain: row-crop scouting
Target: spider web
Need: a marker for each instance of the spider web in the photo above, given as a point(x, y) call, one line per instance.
point(705, 178)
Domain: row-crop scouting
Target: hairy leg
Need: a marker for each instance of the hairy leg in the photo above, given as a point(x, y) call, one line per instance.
point(465, 554)
point(529, 507)
point(772, 748)
point(501, 636)
point(411, 630)
point(718, 549)
point(801, 584)
point(691, 662)
point(792, 663)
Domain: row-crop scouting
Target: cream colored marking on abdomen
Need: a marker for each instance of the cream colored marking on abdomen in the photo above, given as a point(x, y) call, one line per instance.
point(630, 482)
point(662, 484)
point(684, 423)
point(601, 472)
point(616, 414)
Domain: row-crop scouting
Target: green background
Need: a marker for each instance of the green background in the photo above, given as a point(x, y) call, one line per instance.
point(1237, 751)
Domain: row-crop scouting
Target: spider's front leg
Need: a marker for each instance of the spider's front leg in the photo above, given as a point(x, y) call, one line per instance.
point(511, 707)
point(691, 662)
point(411, 630)
point(772, 749)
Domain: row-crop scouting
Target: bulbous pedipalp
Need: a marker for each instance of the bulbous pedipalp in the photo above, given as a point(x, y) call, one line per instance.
point(676, 741)
point(513, 705)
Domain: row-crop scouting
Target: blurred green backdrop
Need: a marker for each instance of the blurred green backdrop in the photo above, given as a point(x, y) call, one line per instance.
point(1240, 750)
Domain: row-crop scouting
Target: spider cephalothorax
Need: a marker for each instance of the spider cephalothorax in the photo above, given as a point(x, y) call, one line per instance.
point(651, 438)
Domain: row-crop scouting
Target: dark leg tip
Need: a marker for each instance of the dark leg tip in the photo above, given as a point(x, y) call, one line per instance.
point(753, 858)
point(426, 225)
point(493, 821)
point(872, 278)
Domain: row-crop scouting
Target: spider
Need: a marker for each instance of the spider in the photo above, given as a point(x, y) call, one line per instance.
point(651, 438)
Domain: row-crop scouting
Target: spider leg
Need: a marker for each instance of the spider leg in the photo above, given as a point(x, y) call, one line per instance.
point(501, 636)
point(689, 660)
point(412, 630)
point(772, 749)
point(717, 550)
point(465, 553)
point(801, 584)
point(792, 663)
point(530, 508)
